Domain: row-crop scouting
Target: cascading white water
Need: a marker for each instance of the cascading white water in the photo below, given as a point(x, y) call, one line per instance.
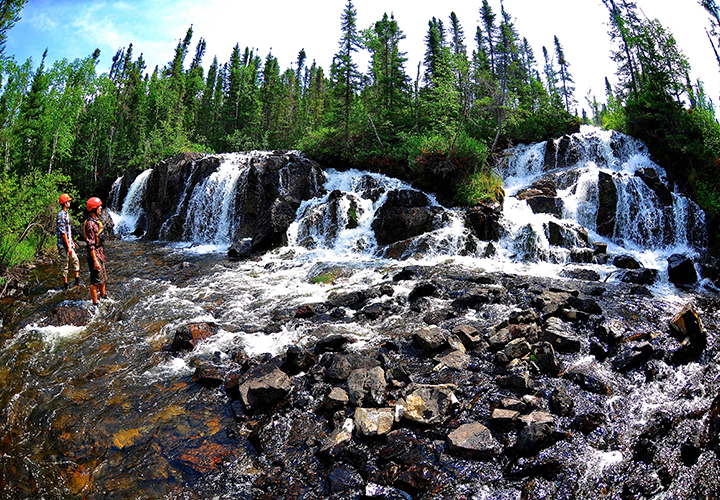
point(133, 206)
point(115, 195)
point(211, 208)
point(642, 223)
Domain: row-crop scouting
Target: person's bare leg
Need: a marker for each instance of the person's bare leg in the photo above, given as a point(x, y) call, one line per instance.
point(93, 294)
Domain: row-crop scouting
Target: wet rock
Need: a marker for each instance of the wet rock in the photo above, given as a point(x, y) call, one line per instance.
point(609, 331)
point(264, 386)
point(374, 421)
point(651, 178)
point(518, 348)
point(533, 438)
point(341, 365)
point(561, 403)
point(337, 399)
point(547, 358)
point(607, 205)
point(69, 313)
point(688, 328)
point(332, 343)
point(424, 289)
point(408, 273)
point(208, 375)
point(640, 276)
point(342, 479)
point(455, 360)
point(588, 422)
point(416, 479)
point(626, 262)
point(503, 417)
point(430, 339)
point(545, 205)
point(484, 220)
point(632, 356)
point(405, 214)
point(429, 404)
point(187, 336)
point(518, 379)
point(367, 386)
point(352, 300)
point(566, 236)
point(473, 441)
point(471, 300)
point(548, 467)
point(561, 336)
point(240, 249)
point(297, 360)
point(581, 274)
point(537, 417)
point(588, 306)
point(306, 311)
point(586, 378)
point(469, 335)
point(681, 270)
point(334, 444)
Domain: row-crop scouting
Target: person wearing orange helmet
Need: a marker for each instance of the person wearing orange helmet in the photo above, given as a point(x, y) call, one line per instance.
point(95, 238)
point(65, 243)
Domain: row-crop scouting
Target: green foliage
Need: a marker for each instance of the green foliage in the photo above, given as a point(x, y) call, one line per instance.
point(327, 278)
point(28, 206)
point(482, 185)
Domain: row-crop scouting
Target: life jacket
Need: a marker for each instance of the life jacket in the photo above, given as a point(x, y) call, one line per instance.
point(100, 239)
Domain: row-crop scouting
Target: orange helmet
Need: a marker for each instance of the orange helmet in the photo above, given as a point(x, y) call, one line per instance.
point(64, 198)
point(93, 203)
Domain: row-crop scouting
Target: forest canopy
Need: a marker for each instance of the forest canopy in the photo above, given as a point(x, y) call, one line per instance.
point(65, 125)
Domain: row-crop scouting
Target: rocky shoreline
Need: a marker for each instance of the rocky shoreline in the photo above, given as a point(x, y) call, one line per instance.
point(482, 382)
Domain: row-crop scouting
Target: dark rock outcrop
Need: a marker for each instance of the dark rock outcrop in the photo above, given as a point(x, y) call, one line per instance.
point(405, 214)
point(607, 205)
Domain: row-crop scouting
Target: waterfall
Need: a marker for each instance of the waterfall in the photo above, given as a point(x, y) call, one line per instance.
point(115, 195)
point(646, 217)
point(133, 206)
point(211, 207)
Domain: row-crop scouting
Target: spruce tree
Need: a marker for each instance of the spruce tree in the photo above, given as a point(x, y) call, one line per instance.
point(345, 73)
point(566, 81)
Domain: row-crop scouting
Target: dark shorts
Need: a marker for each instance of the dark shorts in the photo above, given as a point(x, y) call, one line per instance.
point(97, 277)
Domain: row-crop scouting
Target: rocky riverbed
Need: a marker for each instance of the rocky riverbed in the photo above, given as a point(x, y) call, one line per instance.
point(479, 386)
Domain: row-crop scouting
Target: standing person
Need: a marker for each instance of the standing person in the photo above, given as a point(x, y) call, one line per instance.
point(95, 238)
point(65, 243)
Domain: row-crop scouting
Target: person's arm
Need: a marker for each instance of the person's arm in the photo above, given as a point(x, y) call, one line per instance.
point(91, 231)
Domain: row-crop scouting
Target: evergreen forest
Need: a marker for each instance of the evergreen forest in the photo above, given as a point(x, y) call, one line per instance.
point(67, 127)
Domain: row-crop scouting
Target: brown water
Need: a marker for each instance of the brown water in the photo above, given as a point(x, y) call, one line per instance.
point(86, 413)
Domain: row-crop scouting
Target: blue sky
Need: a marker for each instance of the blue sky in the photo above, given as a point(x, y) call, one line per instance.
point(74, 28)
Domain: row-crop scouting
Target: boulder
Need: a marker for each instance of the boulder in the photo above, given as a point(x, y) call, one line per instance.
point(607, 205)
point(640, 276)
point(681, 270)
point(334, 444)
point(688, 328)
point(337, 399)
point(626, 262)
point(484, 220)
point(547, 359)
point(341, 365)
point(533, 438)
point(561, 336)
point(263, 386)
point(374, 421)
point(652, 180)
point(367, 386)
point(241, 249)
point(187, 336)
point(561, 403)
point(545, 205)
point(405, 214)
point(430, 339)
point(473, 441)
point(208, 375)
point(429, 404)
